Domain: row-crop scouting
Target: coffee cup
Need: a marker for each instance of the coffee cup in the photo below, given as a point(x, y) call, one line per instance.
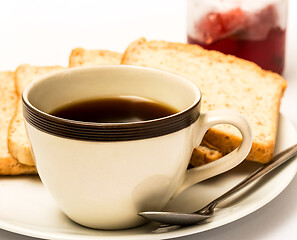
point(102, 174)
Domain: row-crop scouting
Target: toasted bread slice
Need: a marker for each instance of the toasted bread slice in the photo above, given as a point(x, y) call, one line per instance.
point(83, 57)
point(8, 164)
point(226, 82)
point(26, 73)
point(18, 143)
point(205, 153)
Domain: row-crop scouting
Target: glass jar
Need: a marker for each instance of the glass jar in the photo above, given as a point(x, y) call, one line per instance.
point(251, 29)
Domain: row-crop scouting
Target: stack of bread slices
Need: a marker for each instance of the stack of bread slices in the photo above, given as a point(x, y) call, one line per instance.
point(226, 82)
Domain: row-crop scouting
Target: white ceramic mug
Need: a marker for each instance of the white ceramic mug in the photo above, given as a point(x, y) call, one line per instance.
point(103, 174)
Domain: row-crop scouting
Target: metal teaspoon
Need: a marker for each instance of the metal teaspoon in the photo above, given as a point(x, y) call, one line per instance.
point(176, 218)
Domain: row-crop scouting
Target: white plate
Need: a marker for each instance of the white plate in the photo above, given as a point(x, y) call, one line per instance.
point(26, 207)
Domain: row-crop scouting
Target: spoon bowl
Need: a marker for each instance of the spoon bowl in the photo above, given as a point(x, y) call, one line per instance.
point(175, 218)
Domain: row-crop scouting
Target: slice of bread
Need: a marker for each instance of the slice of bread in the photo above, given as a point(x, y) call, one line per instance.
point(205, 153)
point(83, 57)
point(18, 143)
point(26, 73)
point(226, 82)
point(8, 164)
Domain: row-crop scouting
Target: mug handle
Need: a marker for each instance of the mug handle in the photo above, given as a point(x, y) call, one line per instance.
point(227, 162)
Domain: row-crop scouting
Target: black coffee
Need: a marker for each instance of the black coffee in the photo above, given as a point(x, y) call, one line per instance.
point(120, 109)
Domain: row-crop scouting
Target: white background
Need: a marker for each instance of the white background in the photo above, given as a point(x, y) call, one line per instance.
point(44, 32)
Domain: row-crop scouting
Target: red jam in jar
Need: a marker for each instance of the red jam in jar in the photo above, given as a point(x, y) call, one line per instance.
point(255, 33)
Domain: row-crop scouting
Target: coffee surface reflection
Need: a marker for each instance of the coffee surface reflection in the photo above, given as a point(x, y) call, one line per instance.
point(119, 109)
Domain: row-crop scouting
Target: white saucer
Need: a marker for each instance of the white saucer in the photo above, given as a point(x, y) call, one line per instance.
point(26, 207)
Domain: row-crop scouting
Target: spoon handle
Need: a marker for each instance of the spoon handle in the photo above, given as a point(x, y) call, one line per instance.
point(276, 161)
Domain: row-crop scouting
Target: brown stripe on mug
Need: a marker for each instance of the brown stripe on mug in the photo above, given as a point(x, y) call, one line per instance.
point(93, 131)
